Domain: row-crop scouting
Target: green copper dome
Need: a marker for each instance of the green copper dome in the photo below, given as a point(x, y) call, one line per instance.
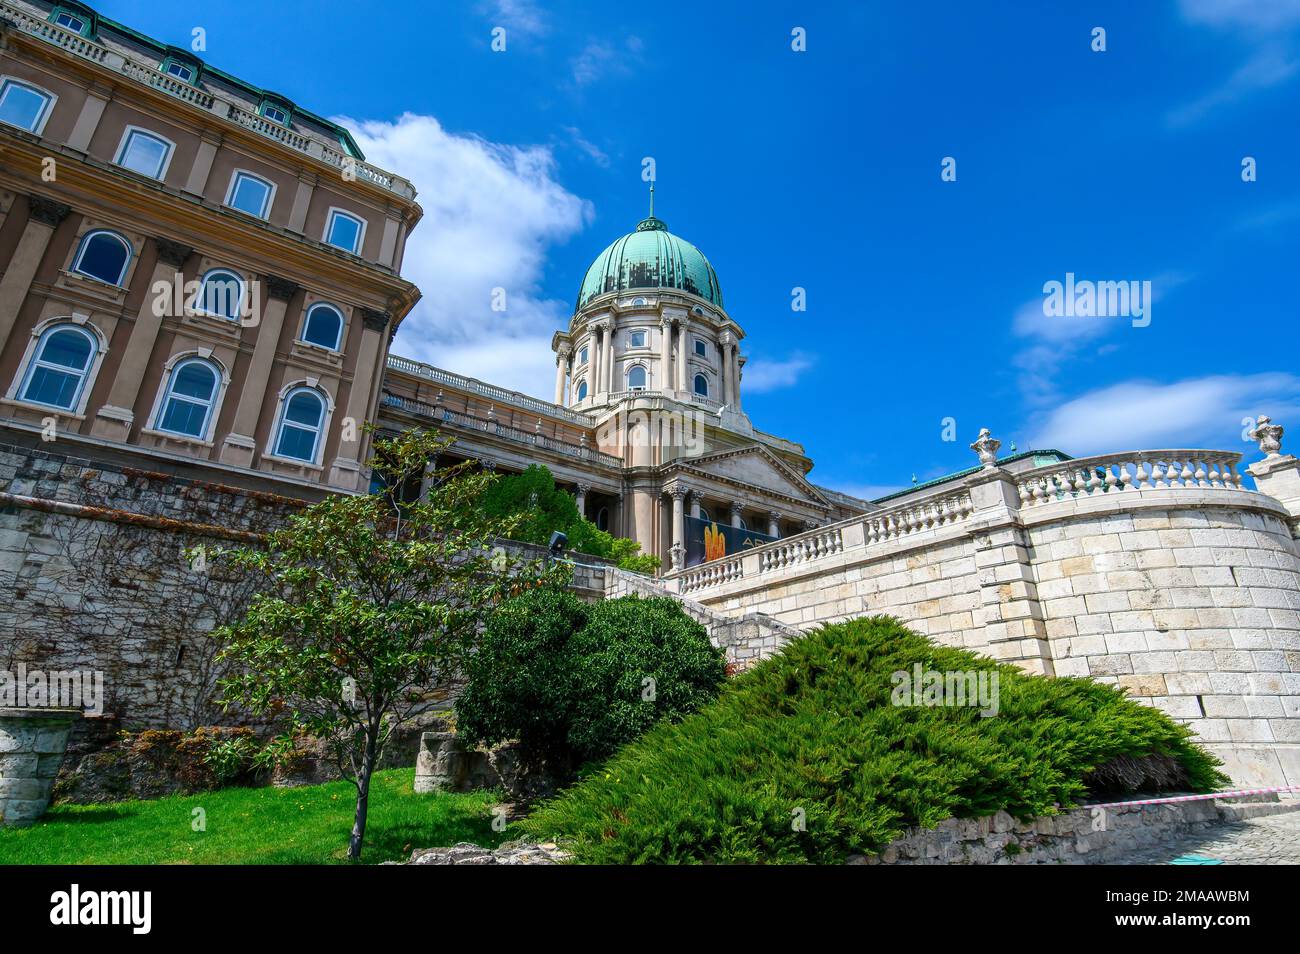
point(651, 257)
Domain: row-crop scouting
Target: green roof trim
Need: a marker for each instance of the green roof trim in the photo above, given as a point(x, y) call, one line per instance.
point(344, 135)
point(971, 470)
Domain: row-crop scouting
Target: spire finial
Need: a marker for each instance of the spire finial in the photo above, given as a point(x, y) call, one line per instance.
point(652, 198)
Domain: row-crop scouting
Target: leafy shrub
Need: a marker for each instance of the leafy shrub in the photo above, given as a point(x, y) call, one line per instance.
point(573, 681)
point(813, 729)
point(542, 508)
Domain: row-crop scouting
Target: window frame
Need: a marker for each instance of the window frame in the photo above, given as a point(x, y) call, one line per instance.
point(269, 103)
point(80, 254)
point(32, 360)
point(267, 204)
point(7, 80)
point(322, 428)
point(166, 392)
point(168, 62)
point(695, 384)
point(632, 336)
point(584, 354)
point(306, 321)
point(580, 392)
point(132, 130)
point(334, 212)
point(628, 378)
point(87, 24)
point(196, 302)
point(701, 348)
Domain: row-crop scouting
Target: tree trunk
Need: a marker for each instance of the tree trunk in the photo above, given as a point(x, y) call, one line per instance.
point(363, 795)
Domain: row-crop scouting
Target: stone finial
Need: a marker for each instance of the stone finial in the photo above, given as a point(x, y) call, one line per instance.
point(1268, 434)
point(676, 553)
point(986, 445)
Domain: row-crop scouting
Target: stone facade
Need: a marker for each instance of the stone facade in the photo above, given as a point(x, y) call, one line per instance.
point(1085, 836)
point(1184, 590)
point(32, 744)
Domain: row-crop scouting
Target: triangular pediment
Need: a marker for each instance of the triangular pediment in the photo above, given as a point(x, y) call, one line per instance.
point(756, 467)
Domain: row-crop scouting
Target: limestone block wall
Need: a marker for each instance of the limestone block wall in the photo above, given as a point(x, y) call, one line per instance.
point(1195, 610)
point(1184, 592)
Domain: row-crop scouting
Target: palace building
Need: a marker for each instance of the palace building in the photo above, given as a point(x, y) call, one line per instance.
point(200, 281)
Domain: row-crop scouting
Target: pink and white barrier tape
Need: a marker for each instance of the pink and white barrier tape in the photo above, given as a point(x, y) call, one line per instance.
point(1195, 798)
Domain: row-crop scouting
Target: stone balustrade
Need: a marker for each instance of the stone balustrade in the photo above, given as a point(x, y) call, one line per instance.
point(793, 550)
point(713, 573)
point(499, 394)
point(1140, 470)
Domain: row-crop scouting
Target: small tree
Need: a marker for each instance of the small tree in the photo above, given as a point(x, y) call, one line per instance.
point(375, 604)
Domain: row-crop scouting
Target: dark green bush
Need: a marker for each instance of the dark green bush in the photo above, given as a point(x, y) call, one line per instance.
point(572, 681)
point(812, 733)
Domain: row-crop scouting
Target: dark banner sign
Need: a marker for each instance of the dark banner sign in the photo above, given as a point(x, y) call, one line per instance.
point(706, 540)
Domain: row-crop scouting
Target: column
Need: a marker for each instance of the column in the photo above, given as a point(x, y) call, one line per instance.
point(607, 361)
point(115, 418)
point(561, 356)
point(429, 477)
point(677, 549)
point(594, 364)
point(346, 469)
point(665, 355)
point(695, 504)
point(724, 350)
point(735, 383)
point(580, 498)
point(239, 445)
point(735, 514)
point(302, 202)
point(773, 523)
point(197, 183)
point(92, 110)
point(44, 216)
point(683, 359)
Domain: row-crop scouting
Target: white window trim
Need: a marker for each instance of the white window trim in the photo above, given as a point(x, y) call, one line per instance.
point(577, 391)
point(270, 195)
point(696, 341)
point(88, 379)
point(306, 317)
point(81, 251)
point(184, 66)
point(329, 222)
point(65, 26)
point(707, 384)
point(309, 384)
point(627, 377)
point(164, 391)
point(167, 159)
point(196, 302)
point(645, 338)
point(52, 98)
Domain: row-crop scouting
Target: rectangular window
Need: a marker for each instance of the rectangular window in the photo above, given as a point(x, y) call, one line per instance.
point(582, 356)
point(344, 231)
point(701, 348)
point(180, 71)
point(637, 339)
point(23, 106)
point(144, 153)
point(250, 194)
point(275, 114)
point(69, 22)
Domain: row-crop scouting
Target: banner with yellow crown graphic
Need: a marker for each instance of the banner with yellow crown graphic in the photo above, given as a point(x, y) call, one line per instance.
point(708, 540)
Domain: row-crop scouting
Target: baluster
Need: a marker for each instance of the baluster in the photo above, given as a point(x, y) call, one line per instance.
point(1185, 475)
point(1140, 476)
point(1200, 472)
point(1080, 485)
point(1158, 475)
point(1214, 474)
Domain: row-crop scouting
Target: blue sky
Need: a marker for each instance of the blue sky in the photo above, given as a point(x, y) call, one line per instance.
point(821, 169)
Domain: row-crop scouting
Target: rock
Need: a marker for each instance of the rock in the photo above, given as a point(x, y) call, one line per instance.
point(510, 853)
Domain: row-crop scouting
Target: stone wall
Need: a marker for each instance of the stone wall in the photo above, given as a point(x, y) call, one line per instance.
point(1188, 596)
point(1082, 836)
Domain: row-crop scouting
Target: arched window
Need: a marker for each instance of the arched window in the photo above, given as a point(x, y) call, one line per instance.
point(24, 105)
point(704, 515)
point(189, 399)
point(602, 519)
point(636, 378)
point(323, 326)
point(582, 390)
point(221, 293)
point(701, 385)
point(250, 193)
point(59, 367)
point(103, 255)
point(144, 152)
point(302, 419)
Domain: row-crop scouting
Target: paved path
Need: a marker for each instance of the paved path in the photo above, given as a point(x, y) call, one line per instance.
point(1268, 840)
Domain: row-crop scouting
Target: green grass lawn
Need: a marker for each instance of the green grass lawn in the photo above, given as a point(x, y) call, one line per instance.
point(268, 826)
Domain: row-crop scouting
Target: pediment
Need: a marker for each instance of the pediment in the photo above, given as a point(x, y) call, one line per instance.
point(754, 466)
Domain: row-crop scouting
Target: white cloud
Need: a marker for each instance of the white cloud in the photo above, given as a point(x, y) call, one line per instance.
point(1267, 28)
point(519, 16)
point(600, 58)
point(587, 147)
point(491, 213)
point(1197, 412)
point(762, 375)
